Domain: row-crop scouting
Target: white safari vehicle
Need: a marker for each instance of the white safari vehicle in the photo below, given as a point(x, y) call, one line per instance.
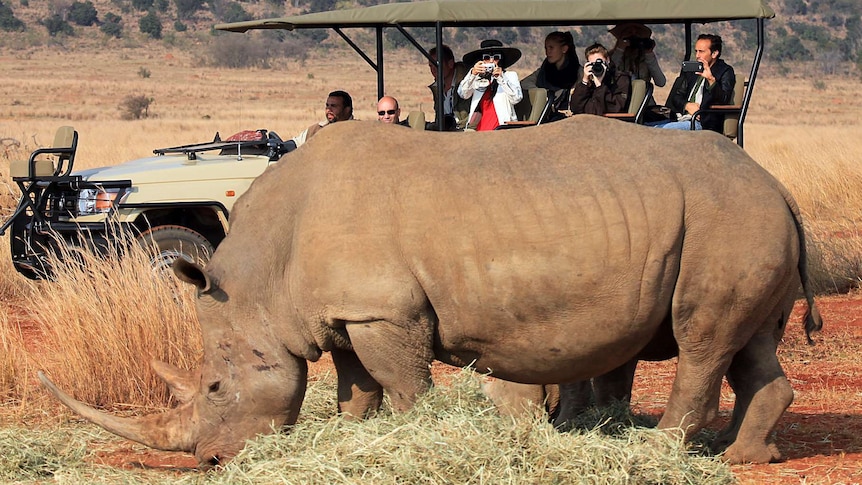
point(177, 201)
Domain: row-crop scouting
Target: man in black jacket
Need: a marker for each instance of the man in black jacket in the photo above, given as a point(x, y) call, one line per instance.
point(695, 90)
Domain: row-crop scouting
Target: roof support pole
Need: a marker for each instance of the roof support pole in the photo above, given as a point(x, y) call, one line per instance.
point(380, 87)
point(438, 108)
point(752, 76)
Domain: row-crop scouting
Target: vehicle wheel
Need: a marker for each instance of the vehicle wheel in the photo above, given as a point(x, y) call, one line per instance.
point(171, 242)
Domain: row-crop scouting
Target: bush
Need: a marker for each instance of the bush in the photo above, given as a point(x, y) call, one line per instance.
point(232, 12)
point(144, 73)
point(179, 26)
point(142, 5)
point(8, 21)
point(789, 49)
point(135, 107)
point(151, 25)
point(112, 25)
point(238, 51)
point(187, 8)
point(83, 13)
point(57, 25)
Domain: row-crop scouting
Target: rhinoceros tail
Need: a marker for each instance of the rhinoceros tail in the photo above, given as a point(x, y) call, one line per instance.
point(813, 321)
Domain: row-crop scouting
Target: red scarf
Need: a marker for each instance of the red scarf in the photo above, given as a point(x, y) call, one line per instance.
point(489, 119)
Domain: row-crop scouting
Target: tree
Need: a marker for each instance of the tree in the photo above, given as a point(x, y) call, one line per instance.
point(83, 13)
point(8, 21)
point(187, 8)
point(112, 25)
point(57, 25)
point(151, 25)
point(231, 12)
point(142, 5)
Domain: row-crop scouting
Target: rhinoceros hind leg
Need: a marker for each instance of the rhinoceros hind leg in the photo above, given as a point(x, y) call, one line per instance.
point(615, 385)
point(575, 398)
point(359, 395)
point(762, 395)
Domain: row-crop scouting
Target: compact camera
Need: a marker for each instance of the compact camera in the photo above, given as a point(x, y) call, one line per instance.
point(692, 66)
point(599, 67)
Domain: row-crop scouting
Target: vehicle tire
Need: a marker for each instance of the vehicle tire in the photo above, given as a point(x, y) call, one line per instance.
point(167, 243)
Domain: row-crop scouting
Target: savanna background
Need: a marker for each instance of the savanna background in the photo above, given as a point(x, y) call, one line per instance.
point(139, 87)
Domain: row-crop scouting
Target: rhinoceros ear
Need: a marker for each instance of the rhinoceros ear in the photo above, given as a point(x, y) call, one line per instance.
point(193, 274)
point(182, 383)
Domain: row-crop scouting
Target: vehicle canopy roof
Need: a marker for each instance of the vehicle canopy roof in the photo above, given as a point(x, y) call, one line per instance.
point(449, 13)
point(517, 12)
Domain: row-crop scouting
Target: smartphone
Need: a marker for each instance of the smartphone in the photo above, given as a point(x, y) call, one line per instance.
point(692, 66)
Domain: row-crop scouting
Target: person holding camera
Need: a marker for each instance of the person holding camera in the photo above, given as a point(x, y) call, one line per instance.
point(492, 90)
point(603, 89)
point(702, 83)
point(634, 53)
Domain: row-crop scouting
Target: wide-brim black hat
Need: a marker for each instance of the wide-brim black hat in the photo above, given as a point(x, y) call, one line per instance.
point(510, 54)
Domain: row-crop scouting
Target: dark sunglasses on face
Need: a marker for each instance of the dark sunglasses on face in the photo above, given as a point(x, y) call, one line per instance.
point(488, 57)
point(388, 112)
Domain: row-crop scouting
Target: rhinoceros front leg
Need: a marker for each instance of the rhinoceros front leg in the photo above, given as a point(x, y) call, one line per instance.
point(762, 395)
point(359, 395)
point(397, 355)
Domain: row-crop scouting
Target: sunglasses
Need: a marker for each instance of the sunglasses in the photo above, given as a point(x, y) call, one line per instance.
point(488, 57)
point(388, 112)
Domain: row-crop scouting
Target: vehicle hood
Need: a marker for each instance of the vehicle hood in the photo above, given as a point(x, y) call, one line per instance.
point(179, 169)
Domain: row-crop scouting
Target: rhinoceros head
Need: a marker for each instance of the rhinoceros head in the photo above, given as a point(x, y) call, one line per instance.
point(247, 385)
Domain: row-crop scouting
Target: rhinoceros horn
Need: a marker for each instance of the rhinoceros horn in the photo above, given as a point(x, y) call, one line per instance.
point(170, 431)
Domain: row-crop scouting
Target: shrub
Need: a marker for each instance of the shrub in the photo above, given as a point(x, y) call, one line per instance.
point(238, 51)
point(57, 25)
point(112, 25)
point(179, 26)
point(232, 12)
point(151, 25)
point(187, 8)
point(8, 21)
point(83, 13)
point(144, 72)
point(142, 5)
point(135, 107)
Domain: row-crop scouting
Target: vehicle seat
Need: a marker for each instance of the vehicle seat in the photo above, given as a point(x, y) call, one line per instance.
point(732, 112)
point(64, 147)
point(416, 120)
point(641, 93)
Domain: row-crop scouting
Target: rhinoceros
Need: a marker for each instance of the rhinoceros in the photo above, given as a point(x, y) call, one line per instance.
point(542, 255)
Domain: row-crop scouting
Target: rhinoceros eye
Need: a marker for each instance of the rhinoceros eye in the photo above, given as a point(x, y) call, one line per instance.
point(214, 387)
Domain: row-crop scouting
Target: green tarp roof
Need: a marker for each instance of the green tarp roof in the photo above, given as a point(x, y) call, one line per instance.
point(517, 12)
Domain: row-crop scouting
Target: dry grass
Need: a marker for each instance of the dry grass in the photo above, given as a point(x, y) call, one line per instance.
point(452, 436)
point(103, 319)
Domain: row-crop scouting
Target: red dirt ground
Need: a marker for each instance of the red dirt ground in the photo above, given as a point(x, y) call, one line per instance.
point(820, 435)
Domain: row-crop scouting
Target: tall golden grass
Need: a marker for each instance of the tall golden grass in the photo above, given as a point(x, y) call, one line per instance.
point(104, 317)
point(102, 321)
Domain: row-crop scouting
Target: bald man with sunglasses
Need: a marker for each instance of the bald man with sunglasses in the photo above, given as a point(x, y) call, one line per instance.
point(389, 112)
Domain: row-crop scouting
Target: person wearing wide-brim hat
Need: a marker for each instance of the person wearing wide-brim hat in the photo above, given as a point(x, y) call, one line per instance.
point(634, 53)
point(631, 29)
point(493, 90)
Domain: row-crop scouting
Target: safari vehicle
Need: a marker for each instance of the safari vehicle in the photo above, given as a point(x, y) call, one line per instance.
point(440, 14)
point(180, 199)
point(177, 201)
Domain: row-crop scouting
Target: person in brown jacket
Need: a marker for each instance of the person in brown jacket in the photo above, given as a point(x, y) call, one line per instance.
point(603, 89)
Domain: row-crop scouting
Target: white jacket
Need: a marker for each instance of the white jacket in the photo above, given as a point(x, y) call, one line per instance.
point(507, 96)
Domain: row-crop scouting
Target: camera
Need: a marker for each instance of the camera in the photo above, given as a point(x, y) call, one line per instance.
point(692, 66)
point(598, 67)
point(641, 43)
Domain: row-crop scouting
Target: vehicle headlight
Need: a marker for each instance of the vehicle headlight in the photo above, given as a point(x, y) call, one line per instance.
point(97, 201)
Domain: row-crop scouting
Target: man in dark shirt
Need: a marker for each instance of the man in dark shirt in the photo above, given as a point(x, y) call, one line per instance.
point(695, 90)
